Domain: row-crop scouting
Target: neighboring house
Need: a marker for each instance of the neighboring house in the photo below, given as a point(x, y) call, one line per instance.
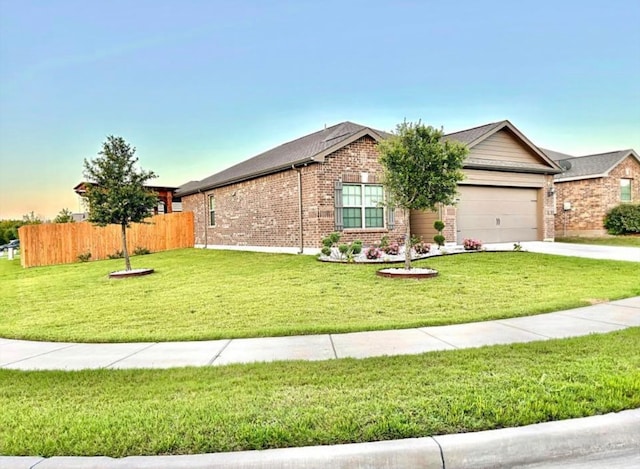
point(290, 197)
point(167, 201)
point(590, 186)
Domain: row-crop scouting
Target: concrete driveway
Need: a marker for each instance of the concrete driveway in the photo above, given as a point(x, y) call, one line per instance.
point(591, 251)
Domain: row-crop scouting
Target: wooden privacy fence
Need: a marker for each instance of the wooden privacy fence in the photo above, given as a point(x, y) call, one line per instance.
point(62, 243)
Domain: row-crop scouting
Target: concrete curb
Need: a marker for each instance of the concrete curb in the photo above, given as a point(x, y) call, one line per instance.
point(548, 443)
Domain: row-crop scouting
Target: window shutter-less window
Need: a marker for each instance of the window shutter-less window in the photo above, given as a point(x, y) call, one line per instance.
point(338, 206)
point(391, 218)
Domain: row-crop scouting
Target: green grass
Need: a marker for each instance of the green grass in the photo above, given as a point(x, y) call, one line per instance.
point(632, 241)
point(241, 407)
point(202, 294)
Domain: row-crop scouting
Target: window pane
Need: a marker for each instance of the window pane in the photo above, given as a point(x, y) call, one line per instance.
point(373, 196)
point(212, 203)
point(351, 195)
point(352, 217)
point(374, 217)
point(625, 190)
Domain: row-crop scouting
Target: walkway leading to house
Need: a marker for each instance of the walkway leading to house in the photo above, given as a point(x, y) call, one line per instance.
point(600, 318)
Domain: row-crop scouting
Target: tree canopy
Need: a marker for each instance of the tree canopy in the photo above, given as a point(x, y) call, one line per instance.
point(421, 170)
point(64, 216)
point(116, 191)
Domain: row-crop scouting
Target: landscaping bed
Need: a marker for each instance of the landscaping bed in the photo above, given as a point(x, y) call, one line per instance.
point(243, 407)
point(198, 294)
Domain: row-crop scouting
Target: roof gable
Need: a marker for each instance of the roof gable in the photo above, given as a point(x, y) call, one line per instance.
point(592, 166)
point(501, 146)
point(312, 148)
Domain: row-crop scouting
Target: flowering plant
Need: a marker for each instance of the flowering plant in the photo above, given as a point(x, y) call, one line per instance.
point(393, 249)
point(472, 244)
point(373, 253)
point(421, 247)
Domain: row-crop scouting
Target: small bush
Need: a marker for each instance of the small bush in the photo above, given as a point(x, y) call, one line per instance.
point(116, 255)
point(331, 240)
point(326, 251)
point(141, 251)
point(84, 257)
point(421, 247)
point(392, 249)
point(373, 253)
point(438, 225)
point(472, 244)
point(439, 239)
point(356, 247)
point(384, 242)
point(623, 219)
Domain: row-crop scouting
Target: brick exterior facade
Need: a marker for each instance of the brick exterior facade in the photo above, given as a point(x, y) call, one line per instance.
point(264, 212)
point(591, 199)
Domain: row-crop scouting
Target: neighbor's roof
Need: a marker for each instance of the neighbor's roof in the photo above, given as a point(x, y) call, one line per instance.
point(589, 166)
point(308, 149)
point(314, 147)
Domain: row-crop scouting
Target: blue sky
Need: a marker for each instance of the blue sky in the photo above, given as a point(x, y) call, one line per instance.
point(199, 85)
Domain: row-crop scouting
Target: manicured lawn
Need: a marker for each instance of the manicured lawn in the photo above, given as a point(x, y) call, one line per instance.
point(632, 241)
point(201, 410)
point(202, 294)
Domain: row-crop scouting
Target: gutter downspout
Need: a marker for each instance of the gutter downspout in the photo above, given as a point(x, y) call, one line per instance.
point(204, 213)
point(299, 171)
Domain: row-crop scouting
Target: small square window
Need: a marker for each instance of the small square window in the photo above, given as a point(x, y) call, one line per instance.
point(625, 190)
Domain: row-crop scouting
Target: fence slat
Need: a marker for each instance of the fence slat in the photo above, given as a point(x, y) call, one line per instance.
point(61, 243)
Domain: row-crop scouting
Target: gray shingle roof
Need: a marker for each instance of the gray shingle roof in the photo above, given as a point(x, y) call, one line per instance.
point(589, 166)
point(469, 136)
point(303, 149)
point(313, 147)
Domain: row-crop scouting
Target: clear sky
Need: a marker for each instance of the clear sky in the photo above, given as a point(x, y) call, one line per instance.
point(199, 85)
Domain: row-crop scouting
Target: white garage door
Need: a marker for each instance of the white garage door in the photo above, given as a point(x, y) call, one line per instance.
point(497, 214)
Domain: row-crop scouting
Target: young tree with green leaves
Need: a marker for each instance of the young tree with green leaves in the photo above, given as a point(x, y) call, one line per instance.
point(421, 170)
point(116, 191)
point(64, 216)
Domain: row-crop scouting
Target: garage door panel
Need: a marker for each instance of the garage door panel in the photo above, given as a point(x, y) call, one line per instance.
point(497, 214)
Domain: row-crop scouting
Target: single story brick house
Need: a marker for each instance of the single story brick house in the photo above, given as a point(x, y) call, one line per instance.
point(590, 186)
point(290, 197)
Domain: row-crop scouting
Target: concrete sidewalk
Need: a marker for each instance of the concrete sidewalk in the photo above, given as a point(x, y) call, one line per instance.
point(601, 318)
point(579, 443)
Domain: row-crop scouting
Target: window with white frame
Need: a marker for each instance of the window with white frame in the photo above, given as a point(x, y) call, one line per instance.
point(212, 211)
point(625, 190)
point(362, 206)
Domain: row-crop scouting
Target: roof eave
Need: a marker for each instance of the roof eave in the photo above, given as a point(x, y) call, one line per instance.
point(580, 178)
point(511, 169)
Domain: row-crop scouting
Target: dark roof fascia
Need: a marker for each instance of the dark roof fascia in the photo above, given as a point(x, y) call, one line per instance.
point(317, 158)
point(247, 177)
point(507, 169)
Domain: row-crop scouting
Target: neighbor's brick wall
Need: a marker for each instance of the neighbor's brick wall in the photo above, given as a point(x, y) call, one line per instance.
point(591, 199)
point(264, 211)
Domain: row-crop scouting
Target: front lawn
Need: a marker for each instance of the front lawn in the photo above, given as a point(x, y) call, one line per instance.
point(240, 407)
point(631, 241)
point(202, 294)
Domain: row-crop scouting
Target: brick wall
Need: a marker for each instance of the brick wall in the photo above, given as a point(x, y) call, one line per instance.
point(265, 211)
point(591, 199)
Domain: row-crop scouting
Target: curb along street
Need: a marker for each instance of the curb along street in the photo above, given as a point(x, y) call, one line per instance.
point(540, 445)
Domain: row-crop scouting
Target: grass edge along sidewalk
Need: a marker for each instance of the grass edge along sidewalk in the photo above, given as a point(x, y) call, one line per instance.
point(205, 295)
point(289, 404)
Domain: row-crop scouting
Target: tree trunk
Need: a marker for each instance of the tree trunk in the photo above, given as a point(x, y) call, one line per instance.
point(407, 239)
point(125, 252)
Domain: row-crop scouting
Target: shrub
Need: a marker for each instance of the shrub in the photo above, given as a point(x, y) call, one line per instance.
point(356, 247)
point(438, 225)
point(141, 251)
point(116, 255)
point(84, 256)
point(623, 219)
point(331, 240)
point(421, 247)
point(326, 251)
point(439, 239)
point(392, 249)
point(384, 242)
point(373, 252)
point(472, 244)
